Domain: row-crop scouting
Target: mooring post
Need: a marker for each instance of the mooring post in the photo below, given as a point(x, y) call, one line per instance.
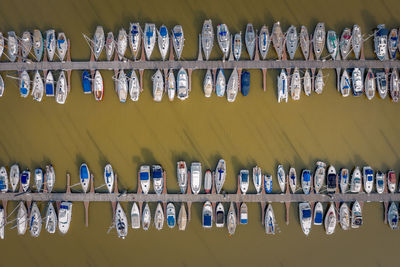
point(5, 210)
point(139, 189)
point(240, 75)
point(116, 192)
point(264, 72)
point(263, 204)
point(256, 55)
point(68, 184)
point(287, 205)
point(190, 79)
point(141, 79)
point(214, 73)
point(200, 55)
point(142, 54)
point(171, 51)
point(385, 203)
point(189, 204)
point(166, 79)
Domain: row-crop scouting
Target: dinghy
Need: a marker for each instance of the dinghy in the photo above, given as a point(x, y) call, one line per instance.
point(269, 220)
point(345, 43)
point(305, 217)
point(26, 44)
point(319, 82)
point(344, 216)
point(122, 86)
point(146, 217)
point(120, 221)
point(50, 219)
point(98, 86)
point(257, 179)
point(283, 86)
point(50, 178)
point(224, 39)
point(380, 42)
point(25, 180)
point(370, 85)
point(62, 45)
point(380, 182)
point(134, 86)
point(307, 83)
point(144, 176)
point(319, 176)
point(182, 174)
point(305, 42)
point(38, 87)
point(393, 216)
point(318, 213)
point(38, 45)
point(344, 180)
point(207, 215)
point(110, 46)
point(98, 42)
point(292, 179)
point(268, 183)
point(64, 216)
point(356, 215)
point(182, 218)
point(219, 215)
point(355, 186)
point(171, 85)
point(306, 181)
point(391, 181)
point(356, 40)
point(394, 86)
point(163, 41)
point(208, 84)
point(38, 179)
point(182, 82)
point(61, 89)
point(280, 174)
point(331, 180)
point(250, 40)
point(84, 177)
point(158, 179)
point(195, 177)
point(382, 84)
point(330, 220)
point(208, 183)
point(345, 84)
point(50, 44)
point(171, 218)
point(220, 174)
point(291, 41)
point(158, 86)
point(319, 39)
point(237, 46)
point(22, 218)
point(12, 46)
point(35, 221)
point(122, 43)
point(393, 40)
point(264, 40)
point(295, 85)
point(220, 84)
point(368, 178)
point(178, 40)
point(135, 216)
point(207, 38)
point(232, 88)
point(14, 177)
point(24, 84)
point(243, 214)
point(109, 177)
point(278, 39)
point(49, 84)
point(231, 220)
point(149, 39)
point(3, 180)
point(159, 217)
point(135, 38)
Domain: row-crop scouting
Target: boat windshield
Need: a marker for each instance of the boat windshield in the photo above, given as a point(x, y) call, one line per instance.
point(144, 176)
point(306, 213)
point(24, 178)
point(220, 217)
point(245, 177)
point(157, 174)
point(380, 182)
point(370, 178)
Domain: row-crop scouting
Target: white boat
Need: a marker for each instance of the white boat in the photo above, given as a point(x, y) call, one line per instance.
point(220, 174)
point(295, 85)
point(109, 177)
point(182, 218)
point(331, 180)
point(84, 177)
point(319, 82)
point(61, 89)
point(280, 174)
point(393, 41)
point(64, 216)
point(318, 213)
point(356, 40)
point(283, 87)
point(38, 87)
point(306, 181)
point(110, 46)
point(358, 88)
point(268, 183)
point(159, 217)
point(38, 45)
point(264, 40)
point(237, 46)
point(269, 220)
point(26, 44)
point(158, 86)
point(307, 86)
point(370, 85)
point(244, 215)
point(135, 216)
point(51, 219)
point(3, 179)
point(344, 216)
point(224, 39)
point(24, 84)
point(149, 39)
point(355, 186)
point(207, 38)
point(182, 85)
point(171, 217)
point(319, 39)
point(25, 180)
point(195, 177)
point(345, 84)
point(244, 181)
point(121, 222)
point(14, 177)
point(144, 177)
point(345, 43)
point(394, 86)
point(98, 86)
point(278, 39)
point(35, 221)
point(219, 215)
point(332, 44)
point(135, 38)
point(50, 44)
point(330, 220)
point(208, 183)
point(50, 178)
point(122, 86)
point(356, 215)
point(62, 45)
point(22, 218)
point(2, 220)
point(380, 42)
point(368, 178)
point(158, 178)
point(220, 84)
point(207, 215)
point(208, 84)
point(12, 46)
point(305, 217)
point(178, 40)
point(391, 181)
point(38, 178)
point(2, 87)
point(146, 217)
point(49, 84)
point(250, 40)
point(122, 43)
point(319, 176)
point(98, 41)
point(380, 182)
point(382, 84)
point(344, 177)
point(232, 88)
point(393, 216)
point(134, 86)
point(305, 42)
point(231, 220)
point(182, 174)
point(163, 41)
point(291, 41)
point(257, 179)
point(171, 85)
point(292, 179)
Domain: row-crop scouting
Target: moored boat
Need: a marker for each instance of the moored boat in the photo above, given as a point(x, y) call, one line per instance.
point(84, 177)
point(159, 217)
point(357, 80)
point(98, 86)
point(318, 213)
point(295, 85)
point(319, 176)
point(356, 40)
point(134, 86)
point(146, 217)
point(244, 181)
point(220, 174)
point(135, 216)
point(178, 40)
point(207, 38)
point(319, 82)
point(283, 86)
point(35, 220)
point(62, 45)
point(38, 44)
point(345, 84)
point(393, 41)
point(231, 219)
point(356, 215)
point(12, 46)
point(3, 179)
point(305, 217)
point(332, 44)
point(14, 177)
point(38, 179)
point(220, 84)
point(269, 221)
point(61, 89)
point(158, 86)
point(37, 87)
point(121, 221)
point(330, 220)
point(344, 180)
point(182, 218)
point(64, 216)
point(50, 44)
point(98, 41)
point(122, 86)
point(291, 41)
point(345, 43)
point(144, 176)
point(2, 86)
point(268, 183)
point(245, 83)
point(26, 44)
point(278, 39)
point(86, 82)
point(50, 178)
point(391, 181)
point(319, 39)
point(331, 180)
point(305, 42)
point(149, 39)
point(233, 86)
point(135, 39)
point(280, 174)
point(208, 183)
point(394, 86)
point(344, 216)
point(380, 182)
point(122, 43)
point(292, 179)
point(208, 84)
point(24, 84)
point(257, 179)
point(368, 178)
point(195, 177)
point(182, 85)
point(355, 186)
point(158, 178)
point(219, 215)
point(370, 85)
point(163, 41)
point(307, 86)
point(50, 223)
point(250, 40)
point(264, 40)
point(2, 220)
point(25, 180)
point(171, 217)
point(22, 218)
point(243, 214)
point(382, 84)
point(207, 215)
point(237, 45)
point(393, 216)
point(380, 42)
point(110, 46)
point(182, 174)
point(109, 177)
point(224, 39)
point(171, 85)
point(306, 181)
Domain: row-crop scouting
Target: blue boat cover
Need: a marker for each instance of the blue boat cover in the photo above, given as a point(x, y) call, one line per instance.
point(24, 178)
point(86, 82)
point(245, 177)
point(49, 89)
point(144, 176)
point(23, 91)
point(243, 221)
point(64, 207)
point(245, 88)
point(163, 31)
point(149, 33)
point(171, 220)
point(318, 217)
point(157, 174)
point(306, 176)
point(380, 182)
point(177, 34)
point(306, 213)
point(207, 220)
point(84, 172)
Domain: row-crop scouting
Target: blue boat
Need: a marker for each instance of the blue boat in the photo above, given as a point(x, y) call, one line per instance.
point(268, 183)
point(86, 82)
point(207, 215)
point(245, 83)
point(318, 213)
point(84, 177)
point(171, 215)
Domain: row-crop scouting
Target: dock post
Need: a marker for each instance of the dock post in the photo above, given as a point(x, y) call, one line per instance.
point(213, 193)
point(68, 71)
point(240, 75)
point(238, 211)
point(256, 55)
point(171, 51)
point(190, 79)
point(230, 58)
point(214, 73)
point(200, 56)
point(264, 72)
point(5, 210)
point(189, 187)
point(141, 79)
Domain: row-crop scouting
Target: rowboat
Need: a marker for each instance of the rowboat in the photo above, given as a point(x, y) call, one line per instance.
point(292, 179)
point(109, 177)
point(231, 220)
point(237, 45)
point(159, 217)
point(207, 38)
point(50, 44)
point(219, 215)
point(345, 43)
point(135, 38)
point(24, 84)
point(35, 221)
point(291, 41)
point(38, 44)
point(232, 88)
point(370, 85)
point(182, 85)
point(12, 46)
point(391, 181)
point(50, 178)
point(134, 86)
point(280, 174)
point(121, 221)
point(224, 39)
point(163, 41)
point(110, 46)
point(50, 221)
point(182, 174)
point(382, 84)
point(269, 221)
point(149, 39)
point(158, 86)
point(195, 177)
point(208, 84)
point(182, 218)
point(135, 216)
point(305, 42)
point(356, 40)
point(62, 45)
point(319, 176)
point(61, 89)
point(344, 216)
point(220, 174)
point(25, 180)
point(49, 84)
point(307, 86)
point(178, 40)
point(37, 87)
point(278, 39)
point(98, 42)
point(122, 43)
point(64, 216)
point(283, 87)
point(295, 85)
point(14, 177)
point(257, 179)
point(84, 177)
point(122, 86)
point(220, 84)
point(26, 44)
point(146, 217)
point(250, 40)
point(345, 84)
point(208, 183)
point(319, 39)
point(264, 40)
point(330, 220)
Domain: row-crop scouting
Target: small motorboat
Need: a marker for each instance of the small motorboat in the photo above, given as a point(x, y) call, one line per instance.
point(269, 221)
point(26, 44)
point(237, 46)
point(134, 86)
point(393, 41)
point(319, 176)
point(224, 39)
point(22, 218)
point(207, 38)
point(356, 215)
point(330, 220)
point(37, 87)
point(207, 215)
point(380, 182)
point(163, 41)
point(24, 84)
point(135, 216)
point(278, 39)
point(50, 223)
point(25, 180)
point(332, 44)
point(2, 220)
point(370, 85)
point(264, 40)
point(220, 85)
point(355, 186)
point(3, 180)
point(171, 85)
point(38, 44)
point(98, 41)
point(171, 218)
point(122, 86)
point(292, 179)
point(144, 176)
point(280, 174)
point(35, 220)
point(391, 181)
point(368, 177)
point(394, 86)
point(50, 44)
point(98, 86)
point(295, 85)
point(86, 82)
point(121, 221)
point(331, 180)
point(182, 174)
point(219, 215)
point(305, 42)
point(84, 177)
point(344, 180)
point(250, 40)
point(318, 213)
point(268, 183)
point(307, 86)
point(393, 216)
point(305, 217)
point(62, 45)
point(12, 46)
point(358, 88)
point(319, 39)
point(158, 178)
point(2, 87)
point(344, 216)
point(356, 40)
point(245, 82)
point(283, 87)
point(257, 179)
point(243, 214)
point(178, 40)
point(220, 174)
point(109, 177)
point(149, 39)
point(208, 84)
point(380, 42)
point(182, 218)
point(345, 84)
point(291, 41)
point(135, 38)
point(122, 43)
point(345, 43)
point(38, 179)
point(158, 86)
point(319, 82)
point(208, 183)
point(61, 89)
point(110, 46)
point(195, 177)
point(14, 177)
point(244, 181)
point(232, 88)
point(306, 181)
point(146, 217)
point(182, 85)
point(50, 178)
point(382, 84)
point(64, 216)
point(231, 220)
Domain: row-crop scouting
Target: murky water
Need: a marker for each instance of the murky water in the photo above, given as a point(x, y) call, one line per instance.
point(253, 130)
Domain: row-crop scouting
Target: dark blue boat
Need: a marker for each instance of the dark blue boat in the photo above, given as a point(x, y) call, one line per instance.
point(86, 82)
point(245, 83)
